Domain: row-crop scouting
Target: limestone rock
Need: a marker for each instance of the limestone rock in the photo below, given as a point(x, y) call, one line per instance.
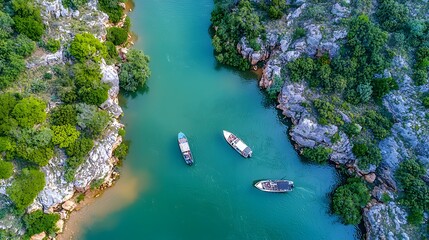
point(110, 76)
point(340, 11)
point(69, 205)
point(39, 236)
point(370, 177)
point(60, 226)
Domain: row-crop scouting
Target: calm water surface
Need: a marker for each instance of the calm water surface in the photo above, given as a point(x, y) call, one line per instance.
point(214, 199)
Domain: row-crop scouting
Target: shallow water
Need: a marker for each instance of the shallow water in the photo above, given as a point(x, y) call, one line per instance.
point(214, 199)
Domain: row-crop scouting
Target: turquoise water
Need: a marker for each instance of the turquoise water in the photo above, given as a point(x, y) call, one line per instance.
point(214, 199)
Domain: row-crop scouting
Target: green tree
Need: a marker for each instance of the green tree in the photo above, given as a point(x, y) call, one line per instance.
point(117, 35)
point(121, 151)
point(74, 4)
point(29, 111)
point(63, 115)
point(301, 69)
point(6, 25)
point(6, 169)
point(135, 71)
point(348, 200)
point(392, 15)
point(95, 95)
point(26, 187)
point(38, 221)
point(86, 47)
point(65, 135)
point(112, 9)
point(80, 147)
point(27, 19)
point(365, 91)
point(53, 45)
point(318, 154)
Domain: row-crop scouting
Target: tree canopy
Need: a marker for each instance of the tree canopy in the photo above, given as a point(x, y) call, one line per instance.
point(135, 71)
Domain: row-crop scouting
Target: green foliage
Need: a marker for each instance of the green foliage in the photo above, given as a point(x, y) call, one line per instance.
point(80, 198)
point(318, 154)
point(95, 95)
point(421, 66)
point(301, 68)
point(365, 91)
point(80, 147)
point(425, 101)
point(135, 71)
point(276, 86)
point(27, 18)
point(231, 23)
point(6, 169)
point(385, 198)
point(327, 114)
point(7, 104)
point(379, 124)
point(63, 115)
point(416, 191)
point(298, 33)
point(274, 8)
point(112, 9)
point(26, 187)
point(86, 47)
point(6, 25)
point(348, 200)
point(23, 46)
point(117, 35)
point(74, 4)
point(86, 74)
point(111, 50)
point(95, 184)
point(121, 132)
point(38, 221)
point(382, 86)
point(127, 23)
point(53, 45)
point(29, 111)
point(121, 151)
point(392, 15)
point(65, 135)
point(92, 120)
point(367, 154)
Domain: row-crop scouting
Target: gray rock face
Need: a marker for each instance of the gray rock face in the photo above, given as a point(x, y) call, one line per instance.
point(388, 222)
point(100, 163)
point(340, 11)
point(48, 59)
point(110, 76)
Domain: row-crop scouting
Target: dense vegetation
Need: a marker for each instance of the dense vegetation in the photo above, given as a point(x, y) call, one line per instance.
point(134, 71)
point(37, 222)
point(317, 155)
point(112, 9)
point(416, 192)
point(349, 199)
point(231, 23)
point(26, 187)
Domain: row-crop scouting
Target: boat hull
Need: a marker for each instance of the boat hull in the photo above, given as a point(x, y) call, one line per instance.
point(276, 186)
point(237, 144)
point(185, 149)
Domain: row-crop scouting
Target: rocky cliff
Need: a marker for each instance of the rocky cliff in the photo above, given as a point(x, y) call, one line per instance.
point(410, 133)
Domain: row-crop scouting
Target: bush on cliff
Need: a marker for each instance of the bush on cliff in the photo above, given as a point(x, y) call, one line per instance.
point(92, 120)
point(416, 192)
point(86, 47)
point(38, 221)
point(135, 71)
point(327, 113)
point(65, 135)
point(117, 35)
point(112, 9)
point(80, 147)
point(74, 4)
point(28, 20)
point(231, 23)
point(53, 45)
point(64, 114)
point(318, 154)
point(26, 187)
point(377, 123)
point(29, 111)
point(121, 151)
point(6, 169)
point(349, 199)
point(367, 154)
point(392, 15)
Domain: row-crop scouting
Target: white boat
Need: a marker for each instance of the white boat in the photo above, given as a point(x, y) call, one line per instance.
point(237, 144)
point(278, 186)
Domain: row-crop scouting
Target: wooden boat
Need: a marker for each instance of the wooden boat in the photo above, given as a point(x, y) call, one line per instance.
point(184, 148)
point(278, 186)
point(237, 144)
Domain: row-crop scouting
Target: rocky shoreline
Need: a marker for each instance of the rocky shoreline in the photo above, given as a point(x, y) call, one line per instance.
point(58, 195)
point(382, 220)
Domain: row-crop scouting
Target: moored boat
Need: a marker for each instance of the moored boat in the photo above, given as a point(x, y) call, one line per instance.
point(237, 144)
point(184, 148)
point(278, 186)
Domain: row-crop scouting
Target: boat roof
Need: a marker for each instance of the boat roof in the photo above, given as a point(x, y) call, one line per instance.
point(284, 185)
point(184, 147)
point(181, 135)
point(240, 145)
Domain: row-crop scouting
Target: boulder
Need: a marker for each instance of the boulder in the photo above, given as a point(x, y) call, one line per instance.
point(69, 205)
point(40, 236)
point(370, 177)
point(60, 226)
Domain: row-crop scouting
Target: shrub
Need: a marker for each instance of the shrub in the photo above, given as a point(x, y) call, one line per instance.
point(275, 88)
point(121, 151)
point(63, 115)
point(6, 169)
point(74, 4)
point(416, 191)
point(348, 200)
point(135, 71)
point(29, 111)
point(364, 91)
point(26, 187)
point(298, 33)
point(95, 95)
point(86, 74)
point(39, 155)
point(352, 129)
point(111, 50)
point(117, 35)
point(86, 47)
point(382, 86)
point(367, 154)
point(127, 23)
point(28, 20)
point(425, 101)
point(80, 147)
point(301, 68)
point(38, 221)
point(392, 15)
point(318, 154)
point(92, 120)
point(327, 114)
point(65, 135)
point(112, 9)
point(53, 45)
point(23, 46)
point(379, 124)
point(95, 184)
point(121, 132)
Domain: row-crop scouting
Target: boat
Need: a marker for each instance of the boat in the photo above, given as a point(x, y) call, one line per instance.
point(278, 186)
point(237, 144)
point(184, 148)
